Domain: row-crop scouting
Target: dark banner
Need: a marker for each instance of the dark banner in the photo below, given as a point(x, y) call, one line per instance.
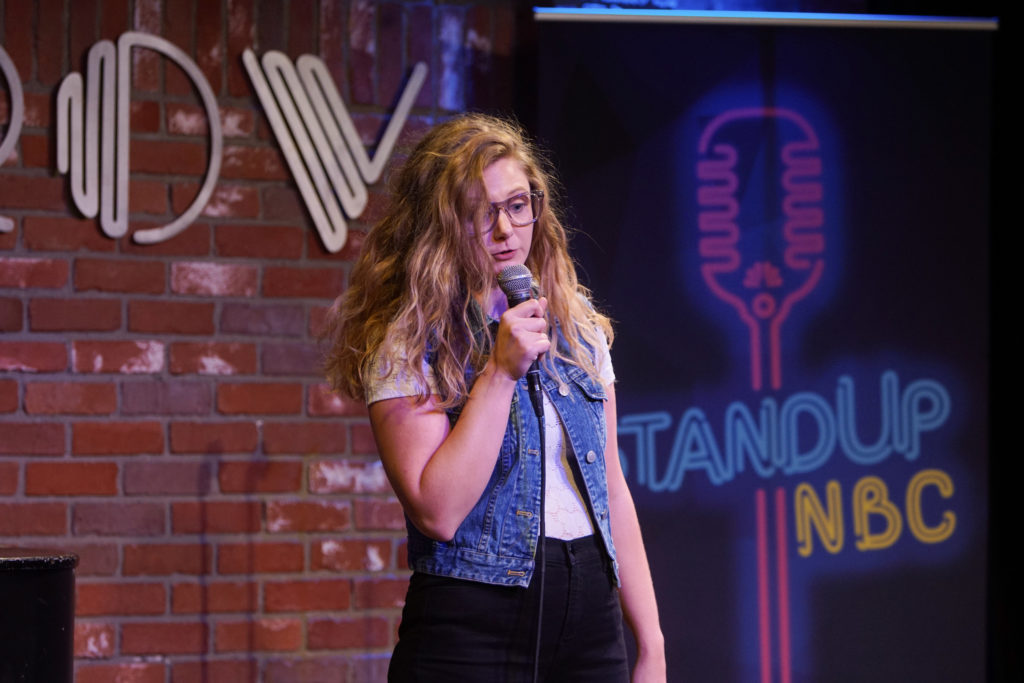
point(790, 228)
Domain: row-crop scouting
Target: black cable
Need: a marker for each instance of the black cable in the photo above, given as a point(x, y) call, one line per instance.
point(538, 568)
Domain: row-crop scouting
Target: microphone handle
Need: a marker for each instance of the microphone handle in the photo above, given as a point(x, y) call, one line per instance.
point(533, 374)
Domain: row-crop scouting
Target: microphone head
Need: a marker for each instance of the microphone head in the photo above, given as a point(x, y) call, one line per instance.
point(515, 281)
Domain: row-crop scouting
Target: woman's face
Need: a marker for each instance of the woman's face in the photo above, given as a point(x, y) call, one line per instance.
point(506, 244)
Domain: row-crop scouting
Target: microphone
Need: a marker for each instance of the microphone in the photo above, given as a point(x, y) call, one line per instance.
point(516, 282)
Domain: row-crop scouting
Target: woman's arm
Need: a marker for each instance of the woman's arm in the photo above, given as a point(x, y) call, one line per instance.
point(439, 472)
point(637, 591)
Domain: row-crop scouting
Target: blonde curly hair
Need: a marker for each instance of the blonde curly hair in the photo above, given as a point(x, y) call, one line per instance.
point(414, 287)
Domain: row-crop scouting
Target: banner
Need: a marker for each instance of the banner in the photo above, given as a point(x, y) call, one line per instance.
point(789, 226)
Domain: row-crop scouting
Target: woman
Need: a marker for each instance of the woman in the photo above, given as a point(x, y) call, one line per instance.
point(426, 336)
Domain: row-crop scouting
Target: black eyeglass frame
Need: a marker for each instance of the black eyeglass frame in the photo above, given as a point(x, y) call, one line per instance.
point(536, 204)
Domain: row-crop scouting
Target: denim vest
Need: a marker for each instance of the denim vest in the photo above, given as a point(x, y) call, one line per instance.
point(497, 540)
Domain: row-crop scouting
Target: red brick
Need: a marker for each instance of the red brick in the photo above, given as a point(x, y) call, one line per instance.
point(166, 317)
point(420, 48)
point(8, 395)
point(389, 46)
point(114, 275)
point(163, 638)
point(116, 438)
point(167, 478)
point(159, 397)
point(227, 201)
point(70, 398)
point(343, 634)
point(119, 519)
point(259, 398)
point(213, 437)
point(36, 151)
point(37, 110)
point(168, 157)
point(380, 593)
point(216, 517)
point(310, 668)
point(32, 192)
point(303, 438)
point(260, 477)
point(259, 241)
point(351, 555)
point(190, 119)
point(259, 558)
point(347, 476)
point(60, 233)
point(216, 597)
point(94, 640)
point(262, 320)
point(282, 281)
point(33, 519)
point(20, 36)
point(31, 438)
point(349, 251)
point(115, 18)
point(261, 635)
point(124, 672)
point(214, 279)
point(288, 516)
point(144, 116)
point(35, 356)
point(362, 48)
point(49, 43)
point(214, 671)
point(325, 403)
point(165, 558)
point(94, 599)
point(248, 163)
point(8, 478)
point(302, 31)
point(95, 559)
point(294, 358)
point(318, 320)
point(241, 34)
point(209, 46)
point(11, 315)
point(147, 196)
point(27, 273)
point(78, 314)
point(333, 38)
point(120, 357)
point(192, 241)
point(283, 203)
point(307, 596)
point(379, 515)
point(70, 479)
point(177, 27)
point(213, 358)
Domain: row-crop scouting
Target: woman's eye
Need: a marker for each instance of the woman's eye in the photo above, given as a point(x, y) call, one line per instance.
point(517, 205)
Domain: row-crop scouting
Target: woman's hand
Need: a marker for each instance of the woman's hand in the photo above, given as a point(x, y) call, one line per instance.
point(522, 337)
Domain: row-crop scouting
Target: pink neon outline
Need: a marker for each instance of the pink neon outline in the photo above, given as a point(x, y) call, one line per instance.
point(782, 577)
point(764, 608)
point(725, 233)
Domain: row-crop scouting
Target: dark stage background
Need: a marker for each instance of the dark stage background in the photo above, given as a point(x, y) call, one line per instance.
point(790, 227)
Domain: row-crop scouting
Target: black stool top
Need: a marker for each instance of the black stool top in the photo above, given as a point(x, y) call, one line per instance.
point(35, 559)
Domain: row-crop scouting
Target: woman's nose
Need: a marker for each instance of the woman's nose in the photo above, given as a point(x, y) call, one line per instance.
point(503, 227)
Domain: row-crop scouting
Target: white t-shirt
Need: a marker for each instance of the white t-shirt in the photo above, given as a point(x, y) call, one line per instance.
point(565, 513)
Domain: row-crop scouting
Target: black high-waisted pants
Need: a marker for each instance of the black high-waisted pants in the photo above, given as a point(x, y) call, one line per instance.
point(461, 631)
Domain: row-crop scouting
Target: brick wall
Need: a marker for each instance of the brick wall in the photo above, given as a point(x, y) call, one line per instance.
point(161, 411)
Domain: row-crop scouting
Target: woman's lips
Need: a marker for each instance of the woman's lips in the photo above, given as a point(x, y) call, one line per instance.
point(505, 255)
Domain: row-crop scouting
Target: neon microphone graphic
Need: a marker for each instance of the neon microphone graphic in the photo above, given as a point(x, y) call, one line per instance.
point(99, 177)
point(17, 117)
point(760, 263)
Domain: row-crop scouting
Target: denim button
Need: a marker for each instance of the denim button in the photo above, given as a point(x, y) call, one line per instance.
point(591, 456)
point(564, 390)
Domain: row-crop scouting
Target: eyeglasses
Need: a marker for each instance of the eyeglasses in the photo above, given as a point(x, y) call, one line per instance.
point(522, 210)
